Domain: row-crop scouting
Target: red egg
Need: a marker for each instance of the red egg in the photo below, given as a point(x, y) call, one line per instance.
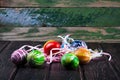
point(50, 45)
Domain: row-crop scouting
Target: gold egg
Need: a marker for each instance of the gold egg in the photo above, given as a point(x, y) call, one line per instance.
point(83, 54)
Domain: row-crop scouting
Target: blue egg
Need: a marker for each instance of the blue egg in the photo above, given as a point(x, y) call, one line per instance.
point(78, 43)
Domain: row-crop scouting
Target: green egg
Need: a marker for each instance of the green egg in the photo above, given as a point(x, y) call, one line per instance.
point(33, 52)
point(36, 58)
point(70, 60)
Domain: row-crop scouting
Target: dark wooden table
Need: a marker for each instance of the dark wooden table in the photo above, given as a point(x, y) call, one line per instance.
point(96, 70)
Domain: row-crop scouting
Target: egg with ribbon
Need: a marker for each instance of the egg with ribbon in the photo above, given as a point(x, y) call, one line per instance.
point(70, 60)
point(83, 54)
point(36, 58)
point(19, 56)
point(49, 45)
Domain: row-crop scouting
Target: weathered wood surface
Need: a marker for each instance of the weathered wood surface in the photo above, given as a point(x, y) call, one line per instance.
point(100, 69)
point(59, 3)
point(114, 50)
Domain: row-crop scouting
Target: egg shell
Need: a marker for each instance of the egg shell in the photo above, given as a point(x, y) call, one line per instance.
point(33, 52)
point(83, 54)
point(19, 57)
point(69, 60)
point(50, 45)
point(35, 58)
point(78, 43)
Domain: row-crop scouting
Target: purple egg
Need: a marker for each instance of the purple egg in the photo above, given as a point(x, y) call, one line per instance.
point(19, 56)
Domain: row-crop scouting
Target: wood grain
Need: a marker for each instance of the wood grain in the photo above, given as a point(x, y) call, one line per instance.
point(91, 70)
point(114, 64)
point(98, 69)
point(59, 3)
point(58, 72)
point(3, 44)
point(29, 73)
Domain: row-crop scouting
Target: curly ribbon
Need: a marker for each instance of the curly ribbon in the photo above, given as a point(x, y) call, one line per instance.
point(65, 42)
point(95, 54)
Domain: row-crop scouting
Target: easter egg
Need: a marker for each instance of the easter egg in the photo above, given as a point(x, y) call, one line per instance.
point(70, 60)
point(83, 54)
point(33, 52)
point(78, 43)
point(19, 57)
point(36, 58)
point(50, 45)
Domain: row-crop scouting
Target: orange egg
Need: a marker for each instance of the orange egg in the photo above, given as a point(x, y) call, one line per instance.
point(83, 54)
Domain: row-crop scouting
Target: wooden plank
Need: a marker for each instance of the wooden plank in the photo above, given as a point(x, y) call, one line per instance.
point(89, 70)
point(7, 68)
point(28, 73)
point(59, 3)
point(58, 72)
point(99, 69)
point(3, 44)
point(114, 64)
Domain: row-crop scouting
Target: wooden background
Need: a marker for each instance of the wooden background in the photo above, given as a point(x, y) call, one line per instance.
point(60, 3)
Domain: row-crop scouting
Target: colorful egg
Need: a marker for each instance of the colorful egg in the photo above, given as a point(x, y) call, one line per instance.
point(35, 58)
point(50, 45)
point(78, 43)
point(70, 60)
point(19, 56)
point(83, 54)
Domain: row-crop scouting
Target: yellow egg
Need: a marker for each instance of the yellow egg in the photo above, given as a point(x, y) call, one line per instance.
point(83, 54)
